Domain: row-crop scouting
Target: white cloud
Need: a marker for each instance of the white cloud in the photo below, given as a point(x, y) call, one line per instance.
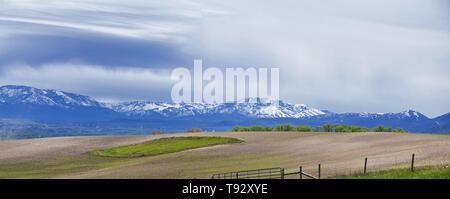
point(160, 20)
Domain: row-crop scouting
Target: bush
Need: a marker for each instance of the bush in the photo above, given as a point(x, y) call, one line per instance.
point(240, 129)
point(328, 127)
point(400, 130)
point(284, 127)
point(260, 128)
point(252, 128)
point(318, 129)
point(345, 128)
point(342, 128)
point(322, 128)
point(359, 129)
point(381, 128)
point(194, 130)
point(236, 129)
point(303, 128)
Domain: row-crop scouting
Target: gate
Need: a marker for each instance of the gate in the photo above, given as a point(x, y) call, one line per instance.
point(267, 173)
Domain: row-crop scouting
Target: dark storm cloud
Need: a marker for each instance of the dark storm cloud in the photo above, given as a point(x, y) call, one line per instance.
point(97, 49)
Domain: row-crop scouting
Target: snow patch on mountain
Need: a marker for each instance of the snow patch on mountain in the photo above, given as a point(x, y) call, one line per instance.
point(251, 107)
point(29, 95)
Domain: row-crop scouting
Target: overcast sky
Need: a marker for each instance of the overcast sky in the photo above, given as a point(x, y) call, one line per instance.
point(343, 56)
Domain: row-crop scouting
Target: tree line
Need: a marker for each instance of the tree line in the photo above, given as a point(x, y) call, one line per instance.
point(320, 128)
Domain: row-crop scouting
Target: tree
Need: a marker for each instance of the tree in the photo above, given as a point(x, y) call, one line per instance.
point(328, 127)
point(400, 130)
point(303, 128)
point(284, 127)
point(342, 128)
point(236, 129)
point(318, 129)
point(381, 128)
point(378, 128)
point(261, 128)
point(359, 129)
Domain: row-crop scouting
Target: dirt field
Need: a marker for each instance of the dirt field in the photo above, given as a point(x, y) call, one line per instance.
point(338, 153)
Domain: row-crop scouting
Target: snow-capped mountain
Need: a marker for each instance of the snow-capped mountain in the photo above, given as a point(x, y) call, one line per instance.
point(63, 110)
point(28, 95)
point(256, 108)
point(22, 102)
point(140, 108)
point(408, 114)
point(253, 107)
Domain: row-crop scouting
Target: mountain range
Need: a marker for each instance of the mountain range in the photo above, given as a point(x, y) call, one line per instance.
point(32, 112)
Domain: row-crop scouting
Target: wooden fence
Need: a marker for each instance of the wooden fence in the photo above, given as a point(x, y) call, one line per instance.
point(266, 173)
point(279, 173)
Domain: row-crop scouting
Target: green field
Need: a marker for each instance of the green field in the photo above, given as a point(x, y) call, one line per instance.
point(163, 156)
point(163, 146)
point(419, 173)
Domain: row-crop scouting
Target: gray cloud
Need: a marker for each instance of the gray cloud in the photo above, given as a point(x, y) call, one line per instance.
point(102, 83)
point(376, 56)
point(345, 56)
point(90, 48)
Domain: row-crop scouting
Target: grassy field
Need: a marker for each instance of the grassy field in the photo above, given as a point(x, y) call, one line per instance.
point(163, 146)
point(338, 153)
point(419, 173)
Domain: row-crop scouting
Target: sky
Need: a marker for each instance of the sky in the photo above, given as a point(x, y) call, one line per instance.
point(342, 56)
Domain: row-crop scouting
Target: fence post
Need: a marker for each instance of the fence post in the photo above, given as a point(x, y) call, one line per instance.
point(318, 172)
point(237, 175)
point(282, 173)
point(301, 172)
point(365, 166)
point(412, 163)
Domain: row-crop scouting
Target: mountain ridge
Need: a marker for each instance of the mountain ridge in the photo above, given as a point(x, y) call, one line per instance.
point(267, 109)
point(48, 106)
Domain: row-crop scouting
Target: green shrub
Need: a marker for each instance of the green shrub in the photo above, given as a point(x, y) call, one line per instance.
point(359, 129)
point(400, 130)
point(342, 128)
point(260, 128)
point(240, 129)
point(320, 128)
point(236, 129)
point(303, 128)
point(379, 128)
point(284, 127)
point(328, 127)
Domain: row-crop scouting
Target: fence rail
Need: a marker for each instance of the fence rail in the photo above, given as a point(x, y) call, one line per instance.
point(279, 173)
point(267, 173)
